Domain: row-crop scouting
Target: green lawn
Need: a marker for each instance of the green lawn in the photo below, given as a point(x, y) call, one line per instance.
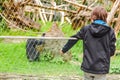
point(13, 60)
point(13, 56)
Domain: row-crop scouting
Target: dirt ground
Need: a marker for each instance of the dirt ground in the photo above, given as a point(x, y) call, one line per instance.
point(43, 77)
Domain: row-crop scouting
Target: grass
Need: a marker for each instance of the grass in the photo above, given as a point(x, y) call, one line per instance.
point(13, 60)
point(66, 28)
point(13, 56)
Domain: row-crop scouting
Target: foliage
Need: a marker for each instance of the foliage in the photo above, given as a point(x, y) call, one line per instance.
point(3, 25)
point(115, 70)
point(115, 60)
point(115, 67)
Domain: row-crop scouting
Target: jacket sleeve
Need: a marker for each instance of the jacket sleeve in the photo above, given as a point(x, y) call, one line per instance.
point(70, 43)
point(112, 43)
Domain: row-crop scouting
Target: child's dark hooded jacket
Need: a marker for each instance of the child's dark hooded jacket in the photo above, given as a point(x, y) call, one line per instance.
point(98, 44)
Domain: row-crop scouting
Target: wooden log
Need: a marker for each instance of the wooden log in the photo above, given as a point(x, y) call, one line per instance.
point(113, 11)
point(62, 17)
point(28, 22)
point(93, 3)
point(51, 16)
point(51, 11)
point(68, 19)
point(79, 5)
point(44, 15)
point(15, 17)
point(40, 12)
point(25, 2)
point(52, 8)
point(41, 16)
point(13, 26)
point(114, 20)
point(117, 26)
point(33, 10)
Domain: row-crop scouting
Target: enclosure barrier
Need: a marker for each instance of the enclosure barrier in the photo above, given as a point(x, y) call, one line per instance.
point(29, 55)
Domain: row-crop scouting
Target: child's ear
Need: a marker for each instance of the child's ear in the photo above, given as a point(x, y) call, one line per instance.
point(93, 17)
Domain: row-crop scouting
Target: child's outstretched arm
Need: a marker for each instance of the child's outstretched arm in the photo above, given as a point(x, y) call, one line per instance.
point(71, 43)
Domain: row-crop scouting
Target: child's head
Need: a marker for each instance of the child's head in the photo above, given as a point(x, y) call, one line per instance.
point(99, 13)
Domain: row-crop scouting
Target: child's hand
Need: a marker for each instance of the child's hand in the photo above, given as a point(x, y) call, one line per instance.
point(61, 53)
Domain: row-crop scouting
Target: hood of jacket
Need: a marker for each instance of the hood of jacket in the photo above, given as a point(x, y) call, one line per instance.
point(99, 28)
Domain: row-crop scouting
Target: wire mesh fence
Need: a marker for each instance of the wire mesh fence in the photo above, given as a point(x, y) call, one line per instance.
point(25, 54)
point(36, 55)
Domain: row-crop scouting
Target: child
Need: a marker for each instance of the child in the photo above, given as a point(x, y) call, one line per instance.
point(98, 46)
